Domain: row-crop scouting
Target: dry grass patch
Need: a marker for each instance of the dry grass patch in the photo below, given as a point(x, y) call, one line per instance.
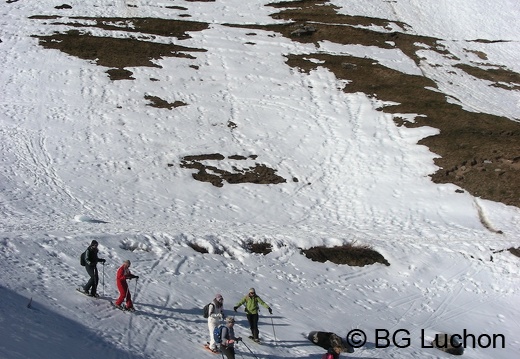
point(257, 174)
point(263, 248)
point(350, 254)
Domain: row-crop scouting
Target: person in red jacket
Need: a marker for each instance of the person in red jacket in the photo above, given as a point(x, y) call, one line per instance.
point(123, 273)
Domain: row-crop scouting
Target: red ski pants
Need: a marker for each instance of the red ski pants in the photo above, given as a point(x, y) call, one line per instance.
point(124, 294)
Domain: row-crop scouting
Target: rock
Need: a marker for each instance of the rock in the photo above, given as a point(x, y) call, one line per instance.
point(448, 343)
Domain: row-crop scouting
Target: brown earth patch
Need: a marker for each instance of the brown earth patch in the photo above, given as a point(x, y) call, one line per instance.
point(259, 248)
point(113, 52)
point(500, 77)
point(514, 251)
point(257, 174)
point(120, 74)
point(198, 248)
point(145, 26)
point(63, 7)
point(118, 53)
point(351, 255)
point(263, 248)
point(160, 103)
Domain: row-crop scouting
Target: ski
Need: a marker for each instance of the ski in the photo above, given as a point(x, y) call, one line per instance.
point(257, 341)
point(86, 294)
point(206, 346)
point(123, 309)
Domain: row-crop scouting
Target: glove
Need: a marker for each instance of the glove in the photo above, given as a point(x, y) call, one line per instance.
point(102, 261)
point(136, 276)
point(239, 339)
point(270, 310)
point(235, 308)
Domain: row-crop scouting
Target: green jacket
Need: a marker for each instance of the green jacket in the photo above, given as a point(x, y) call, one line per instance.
point(251, 304)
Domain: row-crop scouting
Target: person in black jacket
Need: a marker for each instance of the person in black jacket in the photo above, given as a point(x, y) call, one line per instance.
point(91, 260)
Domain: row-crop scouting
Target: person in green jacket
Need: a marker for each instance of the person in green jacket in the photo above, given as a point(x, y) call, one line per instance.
point(251, 301)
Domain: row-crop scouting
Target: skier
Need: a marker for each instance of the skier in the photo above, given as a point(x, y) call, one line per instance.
point(228, 339)
point(123, 273)
point(251, 301)
point(215, 316)
point(91, 260)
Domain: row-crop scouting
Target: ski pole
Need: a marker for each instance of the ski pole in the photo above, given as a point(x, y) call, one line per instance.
point(135, 290)
point(249, 350)
point(240, 352)
point(126, 294)
point(103, 279)
point(272, 323)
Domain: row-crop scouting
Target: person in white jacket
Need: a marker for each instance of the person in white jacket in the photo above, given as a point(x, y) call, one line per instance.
point(215, 317)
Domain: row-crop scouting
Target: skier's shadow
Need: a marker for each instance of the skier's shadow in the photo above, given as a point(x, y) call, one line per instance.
point(313, 356)
point(262, 321)
point(303, 343)
point(162, 312)
point(294, 343)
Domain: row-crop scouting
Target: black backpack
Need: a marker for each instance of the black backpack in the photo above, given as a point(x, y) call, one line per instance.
point(205, 310)
point(82, 260)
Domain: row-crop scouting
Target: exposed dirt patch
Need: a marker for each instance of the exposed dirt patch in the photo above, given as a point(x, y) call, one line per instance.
point(257, 174)
point(250, 246)
point(63, 7)
point(352, 255)
point(144, 26)
point(500, 77)
point(481, 55)
point(113, 52)
point(160, 103)
point(176, 7)
point(514, 251)
point(259, 248)
point(118, 53)
point(120, 74)
point(198, 248)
